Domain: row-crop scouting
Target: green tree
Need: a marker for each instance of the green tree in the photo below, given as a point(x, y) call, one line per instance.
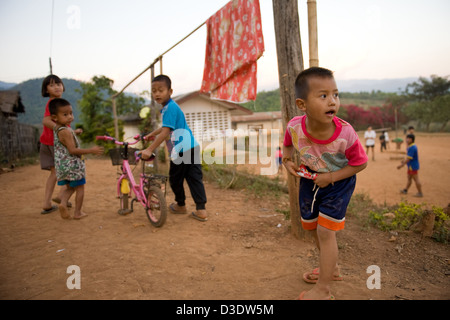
point(421, 111)
point(96, 107)
point(127, 104)
point(441, 105)
point(429, 100)
point(427, 90)
point(265, 101)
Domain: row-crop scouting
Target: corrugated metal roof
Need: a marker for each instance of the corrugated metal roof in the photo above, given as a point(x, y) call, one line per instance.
point(229, 105)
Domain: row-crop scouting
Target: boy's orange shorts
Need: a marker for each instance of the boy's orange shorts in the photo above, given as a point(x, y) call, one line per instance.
point(412, 172)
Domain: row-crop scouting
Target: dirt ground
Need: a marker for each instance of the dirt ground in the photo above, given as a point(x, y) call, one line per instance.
point(245, 251)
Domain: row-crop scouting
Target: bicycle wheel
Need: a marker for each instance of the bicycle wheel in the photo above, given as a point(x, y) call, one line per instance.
point(156, 206)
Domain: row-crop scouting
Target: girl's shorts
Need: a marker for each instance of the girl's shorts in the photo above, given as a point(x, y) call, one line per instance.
point(412, 172)
point(325, 206)
point(73, 184)
point(46, 157)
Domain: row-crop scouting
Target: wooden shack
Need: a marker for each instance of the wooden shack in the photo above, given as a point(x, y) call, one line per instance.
point(17, 140)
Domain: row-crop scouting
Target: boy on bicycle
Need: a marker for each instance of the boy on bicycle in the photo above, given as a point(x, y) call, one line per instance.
point(184, 150)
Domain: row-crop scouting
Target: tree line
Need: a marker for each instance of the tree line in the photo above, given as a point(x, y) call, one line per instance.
point(426, 101)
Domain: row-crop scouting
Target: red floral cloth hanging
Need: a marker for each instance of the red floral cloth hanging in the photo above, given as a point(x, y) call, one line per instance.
point(234, 44)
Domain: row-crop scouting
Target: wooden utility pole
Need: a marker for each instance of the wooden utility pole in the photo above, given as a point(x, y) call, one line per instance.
point(312, 34)
point(290, 64)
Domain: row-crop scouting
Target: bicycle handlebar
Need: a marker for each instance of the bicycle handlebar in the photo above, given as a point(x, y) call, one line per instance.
point(136, 138)
point(103, 138)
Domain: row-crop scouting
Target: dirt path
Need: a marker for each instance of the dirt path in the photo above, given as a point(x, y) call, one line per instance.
point(244, 251)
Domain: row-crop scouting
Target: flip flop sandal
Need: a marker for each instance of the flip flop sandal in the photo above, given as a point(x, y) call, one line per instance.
point(47, 211)
point(172, 208)
point(307, 278)
point(193, 215)
point(301, 296)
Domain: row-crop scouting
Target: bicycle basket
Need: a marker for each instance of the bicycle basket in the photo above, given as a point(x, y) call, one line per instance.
point(116, 156)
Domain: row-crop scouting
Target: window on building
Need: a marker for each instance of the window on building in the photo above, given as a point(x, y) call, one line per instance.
point(209, 125)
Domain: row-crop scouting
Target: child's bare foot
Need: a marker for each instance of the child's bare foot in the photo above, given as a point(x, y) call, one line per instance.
point(79, 216)
point(64, 212)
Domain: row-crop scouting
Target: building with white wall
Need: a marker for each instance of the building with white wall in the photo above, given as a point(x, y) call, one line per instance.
point(208, 119)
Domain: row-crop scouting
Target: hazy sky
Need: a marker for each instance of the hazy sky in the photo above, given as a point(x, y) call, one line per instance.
point(358, 39)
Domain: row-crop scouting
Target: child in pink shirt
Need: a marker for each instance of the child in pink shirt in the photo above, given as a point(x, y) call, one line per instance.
point(329, 147)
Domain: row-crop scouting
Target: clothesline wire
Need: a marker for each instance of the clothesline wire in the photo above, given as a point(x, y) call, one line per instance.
point(159, 58)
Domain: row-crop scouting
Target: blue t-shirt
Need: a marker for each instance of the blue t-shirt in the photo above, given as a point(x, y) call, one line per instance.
point(181, 137)
point(413, 156)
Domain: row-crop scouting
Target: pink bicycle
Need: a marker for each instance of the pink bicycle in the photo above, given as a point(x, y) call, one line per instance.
point(148, 192)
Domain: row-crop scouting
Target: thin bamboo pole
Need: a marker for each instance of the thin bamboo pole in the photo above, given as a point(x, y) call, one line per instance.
point(312, 34)
point(158, 59)
point(183, 39)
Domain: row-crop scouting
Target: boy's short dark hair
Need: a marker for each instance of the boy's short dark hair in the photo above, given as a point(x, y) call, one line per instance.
point(411, 136)
point(301, 83)
point(49, 79)
point(163, 78)
point(57, 103)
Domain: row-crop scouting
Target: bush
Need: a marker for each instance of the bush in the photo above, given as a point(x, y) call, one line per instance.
point(407, 214)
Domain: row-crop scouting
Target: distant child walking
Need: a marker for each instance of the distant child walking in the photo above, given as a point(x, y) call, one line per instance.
point(412, 161)
point(370, 136)
point(330, 148)
point(69, 164)
point(52, 87)
point(383, 141)
point(184, 149)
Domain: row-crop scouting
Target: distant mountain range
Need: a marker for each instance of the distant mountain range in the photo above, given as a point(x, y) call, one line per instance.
point(355, 85)
point(367, 85)
point(6, 85)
